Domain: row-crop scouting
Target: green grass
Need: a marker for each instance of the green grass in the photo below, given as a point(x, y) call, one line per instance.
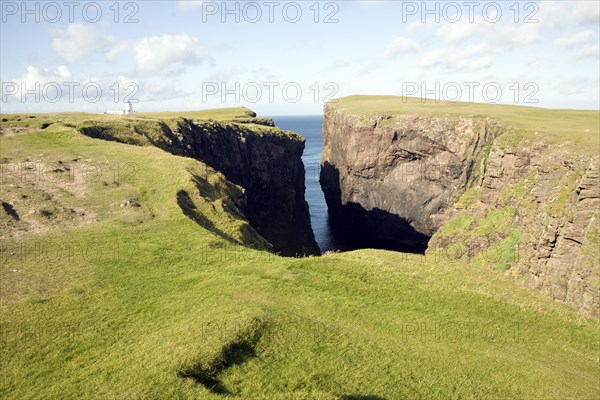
point(517, 193)
point(143, 128)
point(502, 254)
point(496, 220)
point(34, 120)
point(469, 196)
point(455, 226)
point(219, 114)
point(146, 302)
point(558, 207)
point(571, 129)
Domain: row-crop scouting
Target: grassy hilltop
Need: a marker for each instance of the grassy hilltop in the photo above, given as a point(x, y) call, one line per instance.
point(579, 130)
point(108, 291)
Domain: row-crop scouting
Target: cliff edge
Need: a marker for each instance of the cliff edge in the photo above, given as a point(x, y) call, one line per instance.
point(251, 152)
point(514, 188)
point(391, 175)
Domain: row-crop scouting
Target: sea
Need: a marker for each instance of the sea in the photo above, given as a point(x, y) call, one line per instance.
point(310, 128)
point(327, 237)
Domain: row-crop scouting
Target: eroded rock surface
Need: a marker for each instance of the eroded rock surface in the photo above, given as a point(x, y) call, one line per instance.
point(391, 176)
point(270, 169)
point(265, 161)
point(549, 236)
point(527, 208)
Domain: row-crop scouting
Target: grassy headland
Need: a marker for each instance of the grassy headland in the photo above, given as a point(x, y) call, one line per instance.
point(126, 297)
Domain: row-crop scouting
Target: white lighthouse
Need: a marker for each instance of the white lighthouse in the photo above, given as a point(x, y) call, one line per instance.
point(126, 110)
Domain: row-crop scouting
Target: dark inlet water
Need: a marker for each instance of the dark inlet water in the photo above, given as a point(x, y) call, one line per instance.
point(327, 237)
point(310, 128)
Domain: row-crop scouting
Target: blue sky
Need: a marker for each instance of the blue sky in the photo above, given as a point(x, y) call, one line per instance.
point(180, 55)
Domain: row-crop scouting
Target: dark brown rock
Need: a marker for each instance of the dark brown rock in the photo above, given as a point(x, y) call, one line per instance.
point(531, 210)
point(269, 167)
point(263, 160)
point(389, 177)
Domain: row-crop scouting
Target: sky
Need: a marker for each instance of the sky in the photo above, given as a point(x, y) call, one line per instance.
point(289, 58)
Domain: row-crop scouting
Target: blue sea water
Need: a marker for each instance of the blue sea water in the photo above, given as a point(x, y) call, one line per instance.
point(310, 128)
point(328, 238)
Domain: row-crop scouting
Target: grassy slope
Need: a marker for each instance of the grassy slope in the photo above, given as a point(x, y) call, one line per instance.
point(176, 296)
point(240, 116)
point(222, 114)
point(575, 128)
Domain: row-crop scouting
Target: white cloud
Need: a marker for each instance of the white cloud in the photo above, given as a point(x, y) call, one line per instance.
point(60, 85)
point(585, 11)
point(339, 63)
point(152, 54)
point(583, 39)
point(241, 76)
point(577, 85)
point(589, 52)
point(371, 2)
point(552, 13)
point(469, 59)
point(35, 80)
point(399, 46)
point(370, 67)
point(159, 91)
point(499, 36)
point(155, 53)
point(80, 40)
point(458, 31)
point(577, 38)
point(225, 75)
point(565, 13)
point(186, 5)
point(118, 48)
point(45, 75)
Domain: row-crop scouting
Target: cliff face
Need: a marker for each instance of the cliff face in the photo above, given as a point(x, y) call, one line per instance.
point(390, 176)
point(250, 152)
point(269, 167)
point(533, 214)
point(526, 204)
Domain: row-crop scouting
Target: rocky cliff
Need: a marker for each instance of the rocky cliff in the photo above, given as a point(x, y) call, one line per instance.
point(534, 215)
point(265, 161)
point(269, 167)
point(512, 188)
point(391, 176)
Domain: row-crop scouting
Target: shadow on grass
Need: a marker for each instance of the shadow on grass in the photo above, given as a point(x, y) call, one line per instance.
point(236, 352)
point(191, 211)
point(9, 209)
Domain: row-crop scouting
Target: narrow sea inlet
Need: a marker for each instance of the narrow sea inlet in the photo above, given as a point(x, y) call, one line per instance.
point(327, 236)
point(310, 128)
